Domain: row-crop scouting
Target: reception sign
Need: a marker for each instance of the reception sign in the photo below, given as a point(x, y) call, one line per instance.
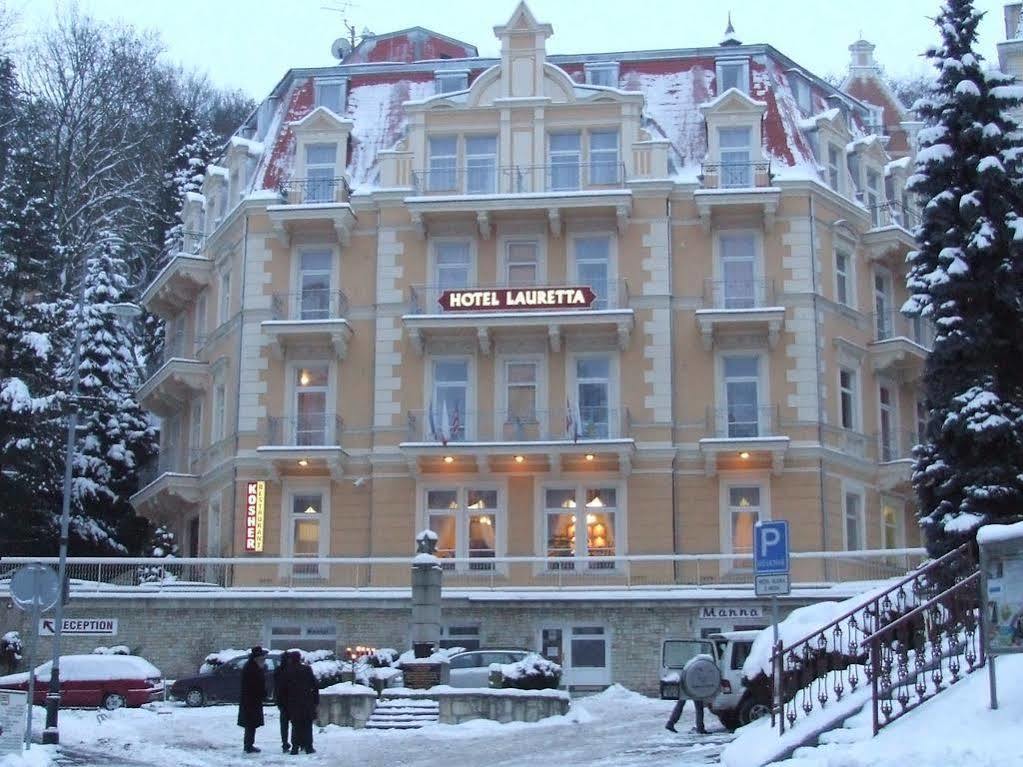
point(255, 512)
point(516, 299)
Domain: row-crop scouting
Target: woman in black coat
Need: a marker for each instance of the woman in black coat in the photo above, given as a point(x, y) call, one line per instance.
point(303, 695)
point(253, 693)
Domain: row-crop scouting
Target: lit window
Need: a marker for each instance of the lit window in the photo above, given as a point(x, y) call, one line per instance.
point(581, 522)
point(743, 514)
point(465, 521)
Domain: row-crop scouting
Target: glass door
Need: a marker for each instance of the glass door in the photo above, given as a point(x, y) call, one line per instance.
point(593, 383)
point(448, 417)
point(738, 272)
point(314, 285)
point(735, 148)
point(593, 267)
point(311, 406)
point(742, 406)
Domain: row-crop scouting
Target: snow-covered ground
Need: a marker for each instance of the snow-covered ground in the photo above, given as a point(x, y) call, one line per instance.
point(617, 728)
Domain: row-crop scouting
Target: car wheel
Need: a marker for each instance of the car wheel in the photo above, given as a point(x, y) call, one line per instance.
point(750, 710)
point(194, 698)
point(112, 701)
point(729, 719)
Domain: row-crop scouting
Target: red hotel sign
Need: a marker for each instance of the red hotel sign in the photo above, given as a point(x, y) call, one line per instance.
point(515, 299)
point(255, 512)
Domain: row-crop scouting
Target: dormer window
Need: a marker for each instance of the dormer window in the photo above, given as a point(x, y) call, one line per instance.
point(834, 168)
point(801, 91)
point(330, 94)
point(736, 147)
point(733, 73)
point(604, 73)
point(875, 120)
point(452, 81)
point(320, 162)
point(872, 197)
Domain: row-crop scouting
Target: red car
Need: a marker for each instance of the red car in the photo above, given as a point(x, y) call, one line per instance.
point(95, 681)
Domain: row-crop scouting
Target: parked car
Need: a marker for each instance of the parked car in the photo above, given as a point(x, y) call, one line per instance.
point(95, 681)
point(223, 684)
point(472, 667)
point(736, 705)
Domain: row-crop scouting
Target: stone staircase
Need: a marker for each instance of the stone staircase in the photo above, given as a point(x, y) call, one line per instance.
point(403, 714)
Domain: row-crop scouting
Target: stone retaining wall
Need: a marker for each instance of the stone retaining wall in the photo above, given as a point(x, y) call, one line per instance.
point(464, 705)
point(348, 709)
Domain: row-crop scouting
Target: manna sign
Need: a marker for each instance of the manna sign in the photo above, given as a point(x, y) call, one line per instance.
point(516, 299)
point(255, 512)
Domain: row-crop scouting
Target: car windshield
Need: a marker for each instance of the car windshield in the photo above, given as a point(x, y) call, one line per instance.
point(678, 652)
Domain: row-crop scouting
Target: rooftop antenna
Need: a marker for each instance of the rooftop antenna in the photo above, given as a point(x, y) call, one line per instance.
point(344, 8)
point(730, 38)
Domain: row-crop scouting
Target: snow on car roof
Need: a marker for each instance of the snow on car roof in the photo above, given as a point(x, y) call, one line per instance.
point(91, 668)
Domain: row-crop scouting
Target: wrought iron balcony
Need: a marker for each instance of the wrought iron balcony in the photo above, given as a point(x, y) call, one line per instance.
point(306, 430)
point(315, 305)
point(735, 175)
point(742, 421)
point(520, 179)
point(892, 213)
point(738, 294)
point(305, 191)
point(583, 424)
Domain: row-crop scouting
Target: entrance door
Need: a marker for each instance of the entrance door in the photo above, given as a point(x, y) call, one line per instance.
point(585, 654)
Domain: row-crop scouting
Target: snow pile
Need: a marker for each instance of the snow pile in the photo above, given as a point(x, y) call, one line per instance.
point(348, 688)
point(117, 649)
point(37, 756)
point(440, 656)
point(997, 533)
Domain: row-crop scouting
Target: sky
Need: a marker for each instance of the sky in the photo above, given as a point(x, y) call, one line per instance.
point(250, 44)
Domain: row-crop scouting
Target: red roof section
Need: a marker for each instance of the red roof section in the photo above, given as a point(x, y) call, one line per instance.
point(411, 45)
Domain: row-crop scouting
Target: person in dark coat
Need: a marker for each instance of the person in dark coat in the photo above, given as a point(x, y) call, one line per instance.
point(253, 693)
point(281, 695)
point(303, 695)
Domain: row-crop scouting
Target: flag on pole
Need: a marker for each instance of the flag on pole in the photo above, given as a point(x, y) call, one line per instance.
point(579, 425)
point(433, 422)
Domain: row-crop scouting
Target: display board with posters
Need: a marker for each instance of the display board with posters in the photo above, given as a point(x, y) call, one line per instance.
point(1001, 561)
point(13, 709)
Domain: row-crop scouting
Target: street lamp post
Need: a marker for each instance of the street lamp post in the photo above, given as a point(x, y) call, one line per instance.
point(51, 734)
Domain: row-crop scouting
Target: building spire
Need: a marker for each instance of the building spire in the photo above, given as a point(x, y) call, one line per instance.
point(730, 38)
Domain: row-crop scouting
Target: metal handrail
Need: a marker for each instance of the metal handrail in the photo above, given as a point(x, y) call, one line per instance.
point(743, 421)
point(736, 175)
point(894, 213)
point(738, 294)
point(535, 425)
point(307, 430)
point(520, 179)
point(309, 305)
point(297, 191)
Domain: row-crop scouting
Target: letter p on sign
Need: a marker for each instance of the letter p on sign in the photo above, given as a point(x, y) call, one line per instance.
point(771, 547)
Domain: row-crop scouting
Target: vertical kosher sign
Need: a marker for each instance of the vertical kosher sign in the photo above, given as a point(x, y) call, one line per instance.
point(255, 511)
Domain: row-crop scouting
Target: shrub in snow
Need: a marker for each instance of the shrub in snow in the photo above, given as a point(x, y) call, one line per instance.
point(162, 543)
point(534, 672)
point(11, 651)
point(384, 658)
point(117, 649)
point(215, 659)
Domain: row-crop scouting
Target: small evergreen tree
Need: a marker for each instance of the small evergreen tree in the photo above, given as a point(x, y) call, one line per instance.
point(967, 279)
point(162, 544)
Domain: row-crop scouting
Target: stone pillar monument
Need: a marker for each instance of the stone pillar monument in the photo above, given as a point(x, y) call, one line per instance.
point(426, 671)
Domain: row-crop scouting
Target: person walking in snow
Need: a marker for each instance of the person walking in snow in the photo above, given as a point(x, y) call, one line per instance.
point(303, 696)
point(253, 693)
point(676, 713)
point(281, 696)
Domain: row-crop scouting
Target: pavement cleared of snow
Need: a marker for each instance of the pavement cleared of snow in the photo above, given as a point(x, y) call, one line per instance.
point(615, 728)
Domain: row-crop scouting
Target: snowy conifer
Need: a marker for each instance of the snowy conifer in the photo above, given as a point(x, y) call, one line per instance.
point(162, 544)
point(967, 279)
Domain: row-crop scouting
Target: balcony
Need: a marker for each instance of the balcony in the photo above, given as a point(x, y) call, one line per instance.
point(557, 190)
point(484, 312)
point(895, 458)
point(890, 236)
point(736, 186)
point(900, 345)
point(167, 483)
point(179, 283)
point(739, 308)
point(174, 377)
point(317, 205)
point(743, 437)
point(313, 320)
point(303, 444)
point(502, 440)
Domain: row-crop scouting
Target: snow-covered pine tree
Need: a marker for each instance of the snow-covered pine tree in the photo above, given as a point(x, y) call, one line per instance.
point(164, 545)
point(31, 456)
point(967, 279)
point(115, 436)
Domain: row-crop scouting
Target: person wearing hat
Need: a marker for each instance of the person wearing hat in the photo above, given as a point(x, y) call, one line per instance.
point(253, 693)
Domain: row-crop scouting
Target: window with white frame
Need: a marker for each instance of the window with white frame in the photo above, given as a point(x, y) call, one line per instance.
point(170, 449)
point(443, 164)
point(853, 514)
point(303, 636)
point(566, 157)
point(580, 522)
point(593, 395)
point(480, 164)
point(604, 165)
point(460, 635)
point(603, 73)
point(843, 277)
point(735, 146)
point(452, 265)
point(320, 171)
point(744, 511)
point(330, 94)
point(224, 299)
point(834, 168)
point(891, 524)
point(737, 255)
point(213, 532)
point(465, 520)
point(310, 405)
point(315, 268)
point(306, 526)
point(886, 414)
point(448, 416)
point(883, 314)
point(848, 387)
point(873, 196)
point(732, 73)
point(219, 412)
point(522, 264)
point(521, 394)
point(742, 395)
point(592, 259)
point(452, 81)
point(801, 92)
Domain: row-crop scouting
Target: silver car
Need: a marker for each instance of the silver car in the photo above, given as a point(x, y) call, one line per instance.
point(472, 667)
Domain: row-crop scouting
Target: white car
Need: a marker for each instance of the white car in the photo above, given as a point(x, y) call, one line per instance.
point(472, 667)
point(735, 705)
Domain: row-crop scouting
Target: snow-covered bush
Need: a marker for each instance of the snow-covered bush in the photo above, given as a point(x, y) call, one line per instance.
point(162, 543)
point(117, 649)
point(11, 650)
point(215, 659)
point(534, 672)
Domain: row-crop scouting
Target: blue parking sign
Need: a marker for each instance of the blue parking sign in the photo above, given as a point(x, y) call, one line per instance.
point(771, 547)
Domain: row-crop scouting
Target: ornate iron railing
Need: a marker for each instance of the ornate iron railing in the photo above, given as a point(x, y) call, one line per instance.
point(735, 175)
point(570, 175)
point(835, 659)
point(298, 191)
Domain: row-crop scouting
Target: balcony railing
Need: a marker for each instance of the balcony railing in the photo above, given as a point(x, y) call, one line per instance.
point(738, 294)
point(892, 324)
point(310, 305)
point(520, 179)
point(741, 421)
point(892, 213)
point(175, 347)
point(735, 175)
point(425, 299)
point(299, 191)
point(306, 430)
point(896, 446)
point(191, 243)
point(170, 462)
point(581, 424)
